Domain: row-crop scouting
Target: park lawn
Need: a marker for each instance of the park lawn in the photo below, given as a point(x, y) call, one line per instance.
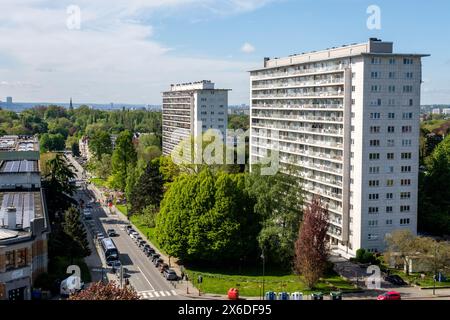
point(415, 279)
point(98, 182)
point(122, 208)
point(431, 125)
point(250, 284)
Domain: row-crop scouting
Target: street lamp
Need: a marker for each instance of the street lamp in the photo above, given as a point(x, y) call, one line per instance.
point(263, 270)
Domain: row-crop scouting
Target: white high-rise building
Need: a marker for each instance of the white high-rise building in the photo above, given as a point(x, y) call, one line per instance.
point(348, 119)
point(190, 109)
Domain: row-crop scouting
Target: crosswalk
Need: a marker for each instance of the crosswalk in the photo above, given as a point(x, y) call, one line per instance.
point(152, 294)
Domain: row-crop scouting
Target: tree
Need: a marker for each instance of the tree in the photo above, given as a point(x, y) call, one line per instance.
point(74, 228)
point(108, 291)
point(52, 142)
point(148, 189)
point(60, 174)
point(123, 156)
point(311, 248)
point(75, 148)
point(100, 144)
point(400, 245)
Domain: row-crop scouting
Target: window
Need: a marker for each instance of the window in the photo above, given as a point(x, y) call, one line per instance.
point(391, 102)
point(390, 129)
point(405, 182)
point(389, 183)
point(373, 223)
point(407, 61)
point(391, 143)
point(391, 75)
point(374, 143)
point(373, 196)
point(379, 102)
point(353, 88)
point(376, 60)
point(405, 195)
point(374, 156)
point(372, 236)
point(375, 88)
point(407, 115)
point(406, 169)
point(374, 183)
point(374, 170)
point(390, 156)
point(374, 75)
point(404, 208)
point(406, 143)
point(407, 89)
point(389, 196)
point(391, 115)
point(409, 75)
point(375, 115)
point(10, 260)
point(390, 169)
point(411, 102)
point(389, 209)
point(392, 61)
point(391, 89)
point(389, 221)
point(21, 256)
point(373, 209)
point(406, 155)
point(406, 129)
point(404, 221)
point(375, 129)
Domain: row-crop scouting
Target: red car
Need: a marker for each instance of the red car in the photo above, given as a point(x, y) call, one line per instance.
point(391, 295)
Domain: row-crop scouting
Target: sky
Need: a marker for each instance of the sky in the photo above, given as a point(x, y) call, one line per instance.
point(129, 51)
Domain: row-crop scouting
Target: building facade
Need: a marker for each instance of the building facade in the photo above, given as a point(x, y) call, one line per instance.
point(189, 109)
point(24, 224)
point(348, 120)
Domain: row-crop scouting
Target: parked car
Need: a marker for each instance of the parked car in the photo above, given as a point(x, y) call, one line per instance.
point(169, 274)
point(100, 236)
point(391, 295)
point(134, 235)
point(163, 267)
point(141, 244)
point(395, 279)
point(112, 233)
point(131, 231)
point(157, 262)
point(146, 247)
point(155, 256)
point(149, 252)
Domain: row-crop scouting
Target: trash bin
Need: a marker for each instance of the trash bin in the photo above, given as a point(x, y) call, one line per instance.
point(233, 294)
point(297, 296)
point(336, 295)
point(317, 296)
point(283, 296)
point(270, 295)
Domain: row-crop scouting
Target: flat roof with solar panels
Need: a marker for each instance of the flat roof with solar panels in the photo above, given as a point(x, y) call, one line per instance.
point(19, 166)
point(19, 148)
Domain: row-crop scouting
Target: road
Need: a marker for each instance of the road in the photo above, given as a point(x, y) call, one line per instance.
point(143, 275)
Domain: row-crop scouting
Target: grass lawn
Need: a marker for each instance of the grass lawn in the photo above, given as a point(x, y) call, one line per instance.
point(249, 282)
point(415, 279)
point(98, 182)
point(122, 208)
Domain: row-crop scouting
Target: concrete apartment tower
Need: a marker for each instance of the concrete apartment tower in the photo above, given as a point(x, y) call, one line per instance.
point(190, 109)
point(348, 119)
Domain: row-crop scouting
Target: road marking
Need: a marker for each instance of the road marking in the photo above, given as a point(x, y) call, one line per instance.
point(145, 278)
point(162, 293)
point(156, 294)
point(167, 292)
point(173, 292)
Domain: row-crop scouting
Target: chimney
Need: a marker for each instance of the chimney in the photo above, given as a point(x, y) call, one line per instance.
point(11, 213)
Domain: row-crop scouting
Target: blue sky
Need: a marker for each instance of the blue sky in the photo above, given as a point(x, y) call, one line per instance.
point(129, 51)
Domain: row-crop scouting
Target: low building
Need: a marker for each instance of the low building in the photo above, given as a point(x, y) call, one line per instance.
point(24, 225)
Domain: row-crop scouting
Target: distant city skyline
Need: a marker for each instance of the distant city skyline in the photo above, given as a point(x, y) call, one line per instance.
point(130, 51)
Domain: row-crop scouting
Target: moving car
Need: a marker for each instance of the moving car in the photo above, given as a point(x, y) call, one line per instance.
point(112, 233)
point(169, 274)
point(391, 295)
point(395, 279)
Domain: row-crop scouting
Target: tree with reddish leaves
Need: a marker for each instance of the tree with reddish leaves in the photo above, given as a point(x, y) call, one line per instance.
point(311, 247)
point(109, 291)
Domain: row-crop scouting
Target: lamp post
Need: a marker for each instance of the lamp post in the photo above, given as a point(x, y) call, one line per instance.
point(263, 270)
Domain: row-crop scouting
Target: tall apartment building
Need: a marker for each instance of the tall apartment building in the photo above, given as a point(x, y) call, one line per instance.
point(24, 224)
point(190, 109)
point(348, 119)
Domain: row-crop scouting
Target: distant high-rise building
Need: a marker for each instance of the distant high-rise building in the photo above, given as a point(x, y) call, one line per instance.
point(9, 100)
point(348, 119)
point(71, 105)
point(190, 109)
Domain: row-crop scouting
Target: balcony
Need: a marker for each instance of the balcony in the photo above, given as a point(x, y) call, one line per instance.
point(292, 72)
point(312, 106)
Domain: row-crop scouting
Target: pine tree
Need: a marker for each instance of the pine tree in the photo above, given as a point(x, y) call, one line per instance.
point(74, 228)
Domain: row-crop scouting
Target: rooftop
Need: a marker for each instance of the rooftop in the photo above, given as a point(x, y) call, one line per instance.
point(18, 209)
point(19, 166)
point(18, 143)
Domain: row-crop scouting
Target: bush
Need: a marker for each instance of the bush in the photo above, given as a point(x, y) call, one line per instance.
point(363, 256)
point(359, 254)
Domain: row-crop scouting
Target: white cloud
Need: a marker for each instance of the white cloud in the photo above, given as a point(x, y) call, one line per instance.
point(247, 48)
point(111, 58)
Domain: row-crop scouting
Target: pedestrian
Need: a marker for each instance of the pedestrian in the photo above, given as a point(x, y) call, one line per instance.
point(186, 276)
point(182, 275)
